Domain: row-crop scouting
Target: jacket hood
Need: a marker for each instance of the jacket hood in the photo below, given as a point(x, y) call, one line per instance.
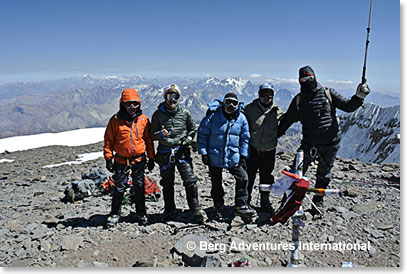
point(216, 105)
point(129, 95)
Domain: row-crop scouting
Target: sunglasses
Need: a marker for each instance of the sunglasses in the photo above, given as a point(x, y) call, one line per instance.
point(266, 94)
point(131, 104)
point(231, 102)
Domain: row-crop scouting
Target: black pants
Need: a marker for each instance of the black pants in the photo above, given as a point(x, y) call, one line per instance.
point(326, 157)
point(264, 163)
point(217, 191)
point(121, 182)
point(183, 162)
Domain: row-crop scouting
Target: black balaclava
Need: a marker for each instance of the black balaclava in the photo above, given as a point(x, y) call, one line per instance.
point(307, 79)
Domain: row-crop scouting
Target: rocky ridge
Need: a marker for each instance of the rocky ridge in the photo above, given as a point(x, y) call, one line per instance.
point(38, 229)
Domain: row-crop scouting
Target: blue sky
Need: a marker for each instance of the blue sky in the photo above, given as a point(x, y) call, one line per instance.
point(53, 39)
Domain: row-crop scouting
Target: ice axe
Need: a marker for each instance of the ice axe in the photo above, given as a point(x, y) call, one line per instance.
point(367, 44)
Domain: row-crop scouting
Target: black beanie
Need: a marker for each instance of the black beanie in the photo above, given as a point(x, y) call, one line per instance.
point(230, 95)
point(306, 71)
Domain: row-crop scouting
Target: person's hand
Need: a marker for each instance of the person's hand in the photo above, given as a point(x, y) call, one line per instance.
point(242, 162)
point(186, 141)
point(150, 164)
point(205, 159)
point(362, 90)
point(164, 132)
point(109, 165)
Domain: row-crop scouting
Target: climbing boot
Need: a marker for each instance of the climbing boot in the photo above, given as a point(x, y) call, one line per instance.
point(112, 220)
point(245, 211)
point(265, 205)
point(193, 203)
point(220, 213)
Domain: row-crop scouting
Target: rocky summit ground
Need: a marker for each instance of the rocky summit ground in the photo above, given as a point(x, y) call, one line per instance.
point(38, 229)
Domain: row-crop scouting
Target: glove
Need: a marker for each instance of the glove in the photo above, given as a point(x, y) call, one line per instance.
point(362, 90)
point(242, 162)
point(150, 164)
point(205, 159)
point(109, 165)
point(187, 141)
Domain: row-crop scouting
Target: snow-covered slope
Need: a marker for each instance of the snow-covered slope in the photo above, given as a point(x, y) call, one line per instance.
point(77, 137)
point(371, 134)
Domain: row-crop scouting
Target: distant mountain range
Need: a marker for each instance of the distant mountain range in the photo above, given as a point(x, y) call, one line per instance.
point(65, 104)
point(371, 134)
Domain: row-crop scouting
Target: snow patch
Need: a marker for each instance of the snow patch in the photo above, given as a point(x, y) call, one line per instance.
point(81, 158)
point(76, 137)
point(6, 161)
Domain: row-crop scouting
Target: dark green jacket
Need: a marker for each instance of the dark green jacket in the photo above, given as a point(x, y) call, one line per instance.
point(181, 124)
point(263, 124)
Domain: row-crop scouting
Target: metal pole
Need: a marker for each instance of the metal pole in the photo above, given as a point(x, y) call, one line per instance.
point(298, 216)
point(367, 44)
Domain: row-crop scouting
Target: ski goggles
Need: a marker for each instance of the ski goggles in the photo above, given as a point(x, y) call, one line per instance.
point(131, 104)
point(172, 95)
point(231, 102)
point(306, 79)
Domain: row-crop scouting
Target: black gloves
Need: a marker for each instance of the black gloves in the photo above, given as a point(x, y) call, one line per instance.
point(109, 165)
point(150, 164)
point(242, 162)
point(205, 159)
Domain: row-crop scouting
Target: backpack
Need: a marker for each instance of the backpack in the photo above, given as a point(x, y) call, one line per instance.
point(79, 190)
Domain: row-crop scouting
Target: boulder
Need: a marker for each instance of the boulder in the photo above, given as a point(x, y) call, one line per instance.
point(189, 247)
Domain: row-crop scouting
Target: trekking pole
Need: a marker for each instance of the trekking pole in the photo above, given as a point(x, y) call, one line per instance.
point(367, 44)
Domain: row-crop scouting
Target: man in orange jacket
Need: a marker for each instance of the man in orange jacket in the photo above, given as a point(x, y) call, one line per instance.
point(126, 140)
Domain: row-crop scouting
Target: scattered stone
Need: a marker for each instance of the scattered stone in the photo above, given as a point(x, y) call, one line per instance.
point(45, 246)
point(82, 263)
point(365, 208)
point(100, 264)
point(237, 222)
point(376, 234)
point(71, 242)
point(212, 260)
point(385, 226)
point(349, 215)
point(38, 232)
point(14, 225)
point(236, 244)
point(151, 262)
point(340, 209)
point(372, 250)
point(352, 191)
point(268, 261)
